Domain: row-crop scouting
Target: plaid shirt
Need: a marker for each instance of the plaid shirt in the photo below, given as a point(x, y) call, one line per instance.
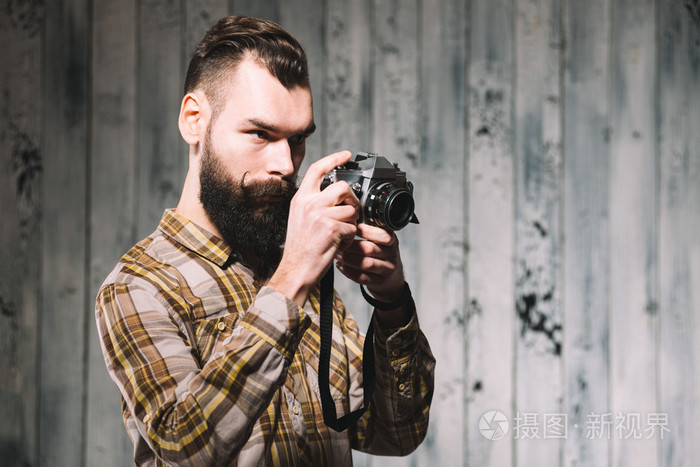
point(213, 371)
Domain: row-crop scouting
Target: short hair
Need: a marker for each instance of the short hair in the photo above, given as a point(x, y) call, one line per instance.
point(230, 40)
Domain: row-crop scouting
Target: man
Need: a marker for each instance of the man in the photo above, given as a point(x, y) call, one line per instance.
point(211, 330)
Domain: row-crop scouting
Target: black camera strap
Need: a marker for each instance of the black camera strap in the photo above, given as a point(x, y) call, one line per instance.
point(330, 415)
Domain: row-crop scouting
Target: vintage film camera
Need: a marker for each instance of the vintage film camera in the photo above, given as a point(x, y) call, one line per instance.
point(386, 197)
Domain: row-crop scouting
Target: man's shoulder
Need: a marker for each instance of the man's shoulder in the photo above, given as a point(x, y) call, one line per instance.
point(150, 262)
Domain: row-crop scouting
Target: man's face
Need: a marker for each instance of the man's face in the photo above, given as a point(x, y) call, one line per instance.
point(250, 158)
point(262, 127)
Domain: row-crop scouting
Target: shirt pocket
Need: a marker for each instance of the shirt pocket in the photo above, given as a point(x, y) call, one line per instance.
point(216, 309)
point(209, 332)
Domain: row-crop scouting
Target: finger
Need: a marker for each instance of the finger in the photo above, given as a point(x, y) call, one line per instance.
point(357, 275)
point(343, 213)
point(367, 264)
point(366, 248)
point(346, 233)
point(340, 193)
point(317, 170)
point(376, 234)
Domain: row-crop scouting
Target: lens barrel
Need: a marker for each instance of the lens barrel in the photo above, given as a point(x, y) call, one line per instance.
point(389, 207)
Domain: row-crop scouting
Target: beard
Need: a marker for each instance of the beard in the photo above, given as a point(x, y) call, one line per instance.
point(250, 216)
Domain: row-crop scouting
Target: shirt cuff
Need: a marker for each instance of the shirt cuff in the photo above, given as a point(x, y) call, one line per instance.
point(277, 320)
point(397, 343)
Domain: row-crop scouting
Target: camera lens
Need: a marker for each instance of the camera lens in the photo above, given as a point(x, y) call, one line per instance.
point(389, 207)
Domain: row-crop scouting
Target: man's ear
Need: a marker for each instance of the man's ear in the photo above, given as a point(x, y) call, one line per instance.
point(191, 120)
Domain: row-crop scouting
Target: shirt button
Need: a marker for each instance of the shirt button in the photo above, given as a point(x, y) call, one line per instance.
point(221, 326)
point(395, 353)
point(402, 387)
point(146, 419)
point(295, 410)
point(397, 341)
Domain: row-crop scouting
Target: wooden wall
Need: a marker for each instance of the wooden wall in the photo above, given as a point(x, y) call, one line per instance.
point(555, 147)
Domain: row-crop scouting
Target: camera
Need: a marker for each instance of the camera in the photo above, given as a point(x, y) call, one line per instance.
point(386, 197)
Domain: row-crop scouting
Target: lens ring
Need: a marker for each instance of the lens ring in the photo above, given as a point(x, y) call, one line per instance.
point(399, 209)
point(389, 207)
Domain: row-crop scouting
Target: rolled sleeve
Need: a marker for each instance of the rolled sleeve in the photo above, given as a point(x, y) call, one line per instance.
point(277, 320)
point(405, 367)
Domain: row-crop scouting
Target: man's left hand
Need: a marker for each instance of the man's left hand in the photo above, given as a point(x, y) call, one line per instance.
point(374, 261)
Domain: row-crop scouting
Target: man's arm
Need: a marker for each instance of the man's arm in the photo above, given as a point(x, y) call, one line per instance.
point(405, 368)
point(374, 260)
point(191, 413)
point(320, 222)
point(397, 419)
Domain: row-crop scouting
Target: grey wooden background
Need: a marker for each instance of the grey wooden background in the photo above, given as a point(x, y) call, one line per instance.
point(555, 147)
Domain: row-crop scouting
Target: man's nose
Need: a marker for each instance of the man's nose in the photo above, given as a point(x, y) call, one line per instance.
point(280, 162)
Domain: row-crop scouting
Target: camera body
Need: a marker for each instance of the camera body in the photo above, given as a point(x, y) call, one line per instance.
point(386, 197)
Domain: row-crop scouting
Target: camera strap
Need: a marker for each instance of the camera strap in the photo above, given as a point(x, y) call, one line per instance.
point(330, 415)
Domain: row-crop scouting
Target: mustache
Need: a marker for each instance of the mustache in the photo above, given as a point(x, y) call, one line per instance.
point(261, 189)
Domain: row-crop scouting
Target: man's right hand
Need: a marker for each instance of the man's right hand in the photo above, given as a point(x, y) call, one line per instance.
point(320, 222)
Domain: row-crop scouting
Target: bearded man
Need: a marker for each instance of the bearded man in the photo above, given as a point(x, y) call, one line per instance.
point(210, 325)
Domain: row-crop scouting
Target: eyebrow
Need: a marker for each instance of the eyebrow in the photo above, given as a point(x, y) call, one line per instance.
point(274, 129)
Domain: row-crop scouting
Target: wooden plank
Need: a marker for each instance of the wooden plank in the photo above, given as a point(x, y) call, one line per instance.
point(586, 227)
point(63, 304)
point(538, 216)
point(395, 111)
point(112, 207)
point(394, 102)
point(491, 324)
point(269, 9)
point(347, 92)
point(441, 255)
point(21, 107)
point(633, 229)
point(347, 109)
point(161, 151)
point(679, 243)
point(395, 82)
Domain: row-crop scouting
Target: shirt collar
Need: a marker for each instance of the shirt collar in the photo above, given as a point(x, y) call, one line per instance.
point(195, 238)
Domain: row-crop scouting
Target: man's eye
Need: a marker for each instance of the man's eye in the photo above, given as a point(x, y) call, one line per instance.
point(259, 134)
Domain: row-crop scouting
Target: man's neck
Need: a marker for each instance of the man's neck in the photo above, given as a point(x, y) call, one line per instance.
point(190, 207)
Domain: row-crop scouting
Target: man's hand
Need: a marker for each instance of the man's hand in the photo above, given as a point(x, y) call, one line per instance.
point(374, 261)
point(319, 223)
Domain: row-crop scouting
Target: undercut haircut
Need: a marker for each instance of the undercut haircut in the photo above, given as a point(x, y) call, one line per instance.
point(232, 39)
